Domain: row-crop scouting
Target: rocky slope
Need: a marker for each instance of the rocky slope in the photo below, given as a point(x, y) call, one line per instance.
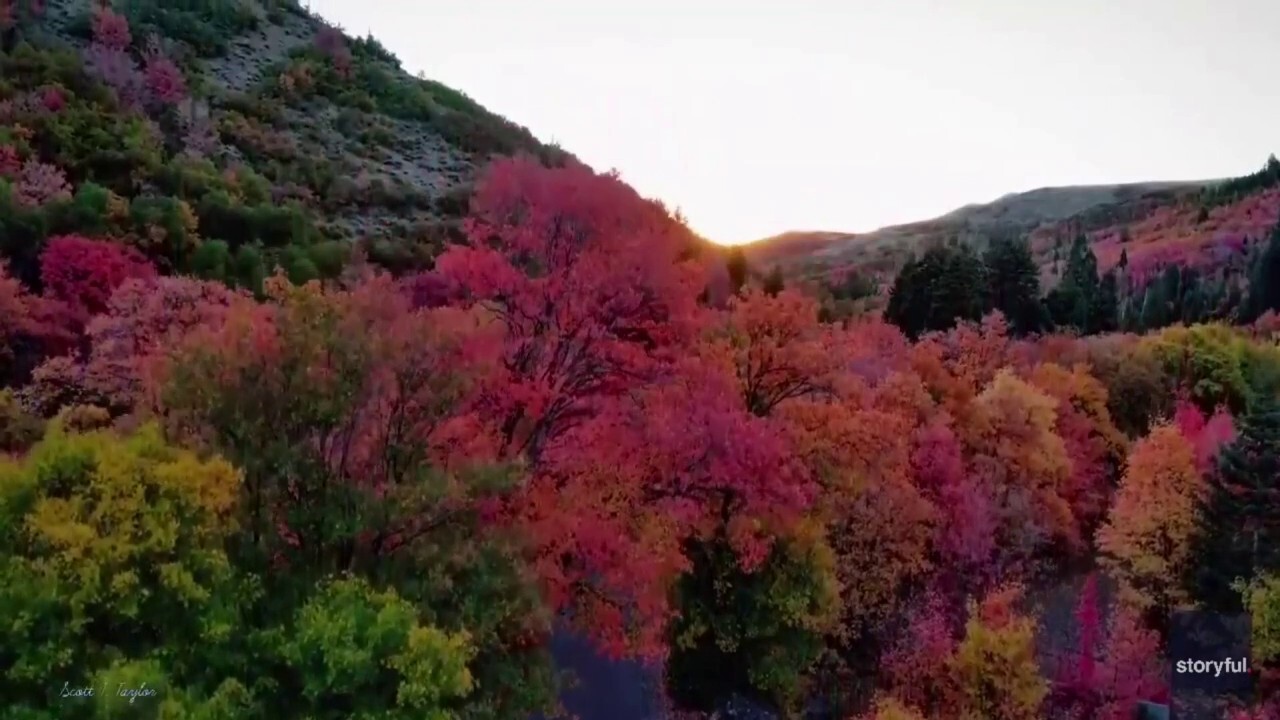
point(336, 128)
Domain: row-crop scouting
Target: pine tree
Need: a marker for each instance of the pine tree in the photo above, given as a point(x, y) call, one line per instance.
point(948, 283)
point(1264, 280)
point(1153, 313)
point(1074, 302)
point(736, 263)
point(1106, 309)
point(773, 283)
point(1238, 531)
point(1013, 283)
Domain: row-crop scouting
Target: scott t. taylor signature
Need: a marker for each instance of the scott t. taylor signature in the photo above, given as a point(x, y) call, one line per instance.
point(131, 693)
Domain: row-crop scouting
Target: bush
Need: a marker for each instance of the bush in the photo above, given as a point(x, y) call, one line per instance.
point(206, 25)
point(19, 429)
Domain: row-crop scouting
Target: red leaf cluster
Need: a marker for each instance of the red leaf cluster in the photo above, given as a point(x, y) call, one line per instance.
point(111, 30)
point(84, 273)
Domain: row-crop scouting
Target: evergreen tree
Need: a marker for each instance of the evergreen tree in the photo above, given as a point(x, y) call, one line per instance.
point(1153, 313)
point(1171, 291)
point(1124, 258)
point(1191, 303)
point(736, 263)
point(1106, 310)
point(948, 283)
point(1074, 302)
point(1013, 284)
point(1264, 280)
point(773, 283)
point(1238, 533)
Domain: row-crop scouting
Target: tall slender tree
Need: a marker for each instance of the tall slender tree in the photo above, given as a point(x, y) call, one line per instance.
point(1013, 285)
point(1238, 528)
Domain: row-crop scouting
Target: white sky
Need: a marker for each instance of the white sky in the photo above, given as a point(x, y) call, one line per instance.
point(761, 116)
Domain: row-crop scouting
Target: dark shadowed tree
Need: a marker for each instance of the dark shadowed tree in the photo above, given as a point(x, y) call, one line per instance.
point(1013, 283)
point(1238, 529)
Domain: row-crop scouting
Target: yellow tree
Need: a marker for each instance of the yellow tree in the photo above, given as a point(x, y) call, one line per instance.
point(1018, 455)
point(994, 667)
point(1146, 541)
point(890, 708)
point(111, 554)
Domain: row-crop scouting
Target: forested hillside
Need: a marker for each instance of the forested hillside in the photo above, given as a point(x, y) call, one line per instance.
point(268, 452)
point(1212, 230)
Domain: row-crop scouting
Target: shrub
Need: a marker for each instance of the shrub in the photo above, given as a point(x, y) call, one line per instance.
point(206, 25)
point(19, 429)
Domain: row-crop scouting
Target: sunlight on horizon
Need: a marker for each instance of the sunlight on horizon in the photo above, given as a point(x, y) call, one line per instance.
point(757, 118)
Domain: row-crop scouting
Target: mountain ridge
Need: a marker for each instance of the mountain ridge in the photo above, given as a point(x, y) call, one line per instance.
point(1017, 213)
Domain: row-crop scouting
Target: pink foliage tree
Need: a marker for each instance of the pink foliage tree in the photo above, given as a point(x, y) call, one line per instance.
point(1105, 678)
point(108, 59)
point(111, 29)
point(166, 86)
point(966, 535)
point(1131, 670)
point(915, 666)
point(1207, 435)
point(143, 316)
point(331, 42)
point(40, 183)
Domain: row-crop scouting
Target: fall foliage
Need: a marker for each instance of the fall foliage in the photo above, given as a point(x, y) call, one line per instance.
point(283, 462)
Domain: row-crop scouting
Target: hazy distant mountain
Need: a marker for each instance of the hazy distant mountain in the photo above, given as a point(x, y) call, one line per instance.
point(1016, 213)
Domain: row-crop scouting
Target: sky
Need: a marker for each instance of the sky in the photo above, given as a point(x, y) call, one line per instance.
point(756, 117)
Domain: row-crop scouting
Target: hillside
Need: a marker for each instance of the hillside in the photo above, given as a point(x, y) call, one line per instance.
point(1161, 220)
point(279, 133)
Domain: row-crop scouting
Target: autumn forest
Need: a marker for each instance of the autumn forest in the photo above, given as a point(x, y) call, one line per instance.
point(277, 443)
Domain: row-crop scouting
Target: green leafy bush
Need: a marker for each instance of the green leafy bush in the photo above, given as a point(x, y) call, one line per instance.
point(206, 25)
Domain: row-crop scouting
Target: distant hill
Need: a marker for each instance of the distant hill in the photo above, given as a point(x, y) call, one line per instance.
point(811, 253)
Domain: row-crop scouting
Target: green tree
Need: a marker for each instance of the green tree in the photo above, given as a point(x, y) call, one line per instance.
point(1264, 280)
point(1105, 314)
point(344, 410)
point(757, 633)
point(773, 282)
point(736, 263)
point(946, 284)
point(1154, 314)
point(1013, 282)
point(112, 563)
point(1262, 602)
point(1074, 302)
point(1238, 531)
point(360, 652)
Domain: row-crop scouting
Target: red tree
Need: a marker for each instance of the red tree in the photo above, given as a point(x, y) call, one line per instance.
point(83, 272)
point(30, 326)
point(966, 534)
point(586, 279)
point(142, 317)
point(630, 448)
